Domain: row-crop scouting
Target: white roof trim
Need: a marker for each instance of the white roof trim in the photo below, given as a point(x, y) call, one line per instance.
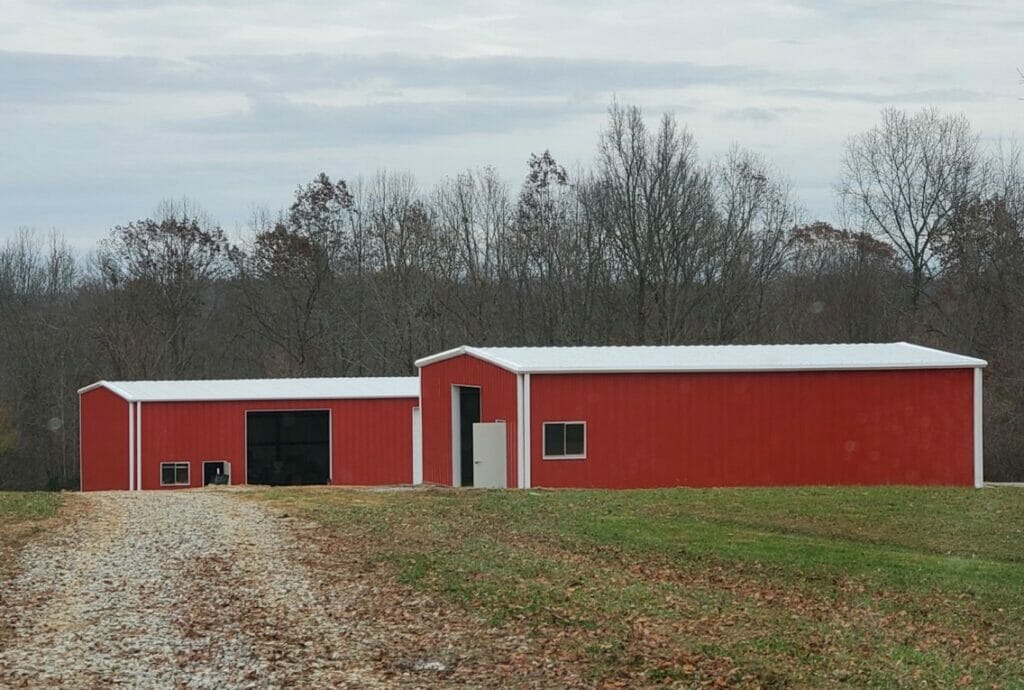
point(684, 358)
point(355, 388)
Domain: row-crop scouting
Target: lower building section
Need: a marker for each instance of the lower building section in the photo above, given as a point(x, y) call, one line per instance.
point(168, 445)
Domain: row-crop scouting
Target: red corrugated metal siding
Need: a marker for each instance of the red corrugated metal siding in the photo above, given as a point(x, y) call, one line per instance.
point(736, 429)
point(371, 439)
point(497, 401)
point(104, 440)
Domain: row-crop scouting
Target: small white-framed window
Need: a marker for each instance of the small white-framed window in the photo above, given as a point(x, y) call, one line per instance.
point(174, 474)
point(565, 440)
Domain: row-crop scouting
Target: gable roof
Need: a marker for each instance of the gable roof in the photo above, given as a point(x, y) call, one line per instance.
point(263, 389)
point(681, 358)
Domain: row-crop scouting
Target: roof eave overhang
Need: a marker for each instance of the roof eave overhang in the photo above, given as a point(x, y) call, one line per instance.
point(281, 398)
point(966, 363)
point(472, 352)
point(121, 393)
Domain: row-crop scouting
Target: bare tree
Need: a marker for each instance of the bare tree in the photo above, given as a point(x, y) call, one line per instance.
point(404, 241)
point(904, 178)
point(655, 202)
point(754, 214)
point(44, 350)
point(473, 214)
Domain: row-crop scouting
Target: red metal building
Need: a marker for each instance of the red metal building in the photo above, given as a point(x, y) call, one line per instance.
point(625, 417)
point(167, 434)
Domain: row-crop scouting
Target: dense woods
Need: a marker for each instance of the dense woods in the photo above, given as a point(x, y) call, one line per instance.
point(649, 245)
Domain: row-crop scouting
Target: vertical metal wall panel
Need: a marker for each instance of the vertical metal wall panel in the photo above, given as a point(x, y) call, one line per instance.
point(497, 402)
point(104, 441)
point(759, 429)
point(371, 440)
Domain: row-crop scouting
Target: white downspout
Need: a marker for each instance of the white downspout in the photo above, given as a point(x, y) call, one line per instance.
point(520, 453)
point(138, 449)
point(131, 446)
point(528, 480)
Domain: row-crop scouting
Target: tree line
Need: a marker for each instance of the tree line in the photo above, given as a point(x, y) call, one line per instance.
point(648, 245)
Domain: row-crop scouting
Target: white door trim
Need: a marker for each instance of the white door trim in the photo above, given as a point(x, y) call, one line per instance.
point(417, 446)
point(456, 431)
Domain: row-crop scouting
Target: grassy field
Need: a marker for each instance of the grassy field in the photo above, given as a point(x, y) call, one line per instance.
point(773, 588)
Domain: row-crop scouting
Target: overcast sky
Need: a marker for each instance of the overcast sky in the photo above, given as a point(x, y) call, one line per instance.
point(109, 106)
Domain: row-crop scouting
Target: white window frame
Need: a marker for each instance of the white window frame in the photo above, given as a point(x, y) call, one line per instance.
point(176, 463)
point(227, 468)
point(544, 435)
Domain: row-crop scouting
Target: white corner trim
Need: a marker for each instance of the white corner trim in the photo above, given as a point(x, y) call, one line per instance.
point(979, 424)
point(131, 446)
point(527, 451)
point(81, 448)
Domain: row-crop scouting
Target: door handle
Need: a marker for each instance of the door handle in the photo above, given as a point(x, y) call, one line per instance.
point(478, 462)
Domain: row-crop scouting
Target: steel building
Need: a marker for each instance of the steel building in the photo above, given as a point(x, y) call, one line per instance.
point(744, 415)
point(170, 434)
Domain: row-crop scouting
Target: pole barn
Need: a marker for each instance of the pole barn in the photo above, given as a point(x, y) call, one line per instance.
point(179, 434)
point(738, 415)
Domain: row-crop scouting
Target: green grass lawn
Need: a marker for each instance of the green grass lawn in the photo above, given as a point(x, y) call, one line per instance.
point(27, 506)
point(756, 587)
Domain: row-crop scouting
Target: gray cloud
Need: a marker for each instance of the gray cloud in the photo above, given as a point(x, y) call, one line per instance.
point(31, 77)
point(209, 98)
point(875, 11)
point(893, 97)
point(289, 123)
point(752, 114)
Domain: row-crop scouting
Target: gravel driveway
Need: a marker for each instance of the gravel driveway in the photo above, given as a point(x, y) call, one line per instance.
point(196, 589)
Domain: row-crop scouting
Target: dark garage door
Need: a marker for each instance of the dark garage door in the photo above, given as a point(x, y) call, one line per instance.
point(288, 448)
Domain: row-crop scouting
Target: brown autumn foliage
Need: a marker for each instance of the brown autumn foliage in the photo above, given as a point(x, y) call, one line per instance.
point(649, 245)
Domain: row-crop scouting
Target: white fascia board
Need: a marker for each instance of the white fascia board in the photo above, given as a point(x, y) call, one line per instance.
point(968, 361)
point(439, 357)
point(110, 387)
point(472, 352)
point(483, 354)
point(250, 398)
point(744, 370)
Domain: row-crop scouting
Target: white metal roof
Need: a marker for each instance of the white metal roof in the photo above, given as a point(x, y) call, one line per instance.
point(611, 359)
point(263, 389)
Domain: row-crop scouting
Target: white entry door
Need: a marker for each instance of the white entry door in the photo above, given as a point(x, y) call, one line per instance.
point(489, 455)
